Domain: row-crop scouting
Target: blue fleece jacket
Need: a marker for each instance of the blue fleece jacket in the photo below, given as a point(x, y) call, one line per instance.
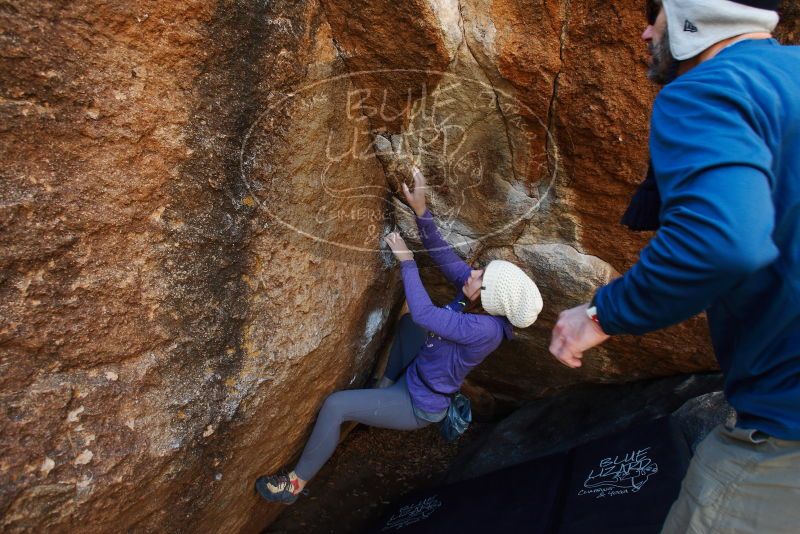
point(725, 145)
point(456, 341)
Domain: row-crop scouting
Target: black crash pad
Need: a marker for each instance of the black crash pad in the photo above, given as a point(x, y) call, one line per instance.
point(624, 483)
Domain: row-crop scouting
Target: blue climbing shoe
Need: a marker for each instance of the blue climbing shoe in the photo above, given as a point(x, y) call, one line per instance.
point(285, 493)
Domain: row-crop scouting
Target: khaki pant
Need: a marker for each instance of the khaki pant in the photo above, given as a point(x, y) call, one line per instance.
point(739, 481)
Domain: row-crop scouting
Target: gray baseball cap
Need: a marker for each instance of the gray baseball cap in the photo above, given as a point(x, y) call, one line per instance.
point(694, 25)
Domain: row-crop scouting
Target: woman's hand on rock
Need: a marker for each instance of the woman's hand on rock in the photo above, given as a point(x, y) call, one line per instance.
point(398, 247)
point(416, 198)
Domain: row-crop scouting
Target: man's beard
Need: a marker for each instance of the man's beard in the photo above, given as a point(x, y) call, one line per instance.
point(663, 67)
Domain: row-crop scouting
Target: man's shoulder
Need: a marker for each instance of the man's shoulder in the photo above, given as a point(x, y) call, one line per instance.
point(711, 77)
point(740, 64)
point(735, 78)
point(696, 91)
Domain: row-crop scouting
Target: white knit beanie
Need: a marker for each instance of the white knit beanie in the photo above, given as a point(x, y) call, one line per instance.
point(510, 292)
point(694, 25)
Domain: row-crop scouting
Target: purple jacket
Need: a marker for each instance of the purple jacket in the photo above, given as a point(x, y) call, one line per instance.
point(456, 341)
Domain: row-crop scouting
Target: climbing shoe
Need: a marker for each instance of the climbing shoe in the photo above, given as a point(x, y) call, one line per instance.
point(285, 492)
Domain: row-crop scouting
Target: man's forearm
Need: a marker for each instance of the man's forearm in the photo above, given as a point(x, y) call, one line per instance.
point(704, 248)
point(717, 215)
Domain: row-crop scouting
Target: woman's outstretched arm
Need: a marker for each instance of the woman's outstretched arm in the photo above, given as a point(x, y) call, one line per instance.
point(464, 328)
point(451, 265)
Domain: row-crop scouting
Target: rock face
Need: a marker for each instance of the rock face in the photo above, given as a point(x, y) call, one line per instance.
point(191, 202)
point(164, 339)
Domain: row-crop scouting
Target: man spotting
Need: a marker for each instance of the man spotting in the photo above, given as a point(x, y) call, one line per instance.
point(725, 149)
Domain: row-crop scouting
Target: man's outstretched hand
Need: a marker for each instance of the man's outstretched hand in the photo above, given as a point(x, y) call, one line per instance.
point(416, 198)
point(573, 334)
point(398, 247)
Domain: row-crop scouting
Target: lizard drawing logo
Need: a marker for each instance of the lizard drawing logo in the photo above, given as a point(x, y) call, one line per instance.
point(620, 474)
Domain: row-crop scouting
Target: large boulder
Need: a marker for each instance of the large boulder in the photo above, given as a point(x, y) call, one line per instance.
point(192, 199)
point(553, 140)
point(166, 333)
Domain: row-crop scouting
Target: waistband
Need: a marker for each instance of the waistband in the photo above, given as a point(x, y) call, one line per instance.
point(750, 435)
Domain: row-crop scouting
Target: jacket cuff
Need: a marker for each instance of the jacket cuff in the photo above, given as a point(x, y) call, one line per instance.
point(605, 311)
point(425, 217)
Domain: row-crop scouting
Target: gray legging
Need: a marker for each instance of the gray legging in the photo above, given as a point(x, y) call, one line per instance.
point(384, 408)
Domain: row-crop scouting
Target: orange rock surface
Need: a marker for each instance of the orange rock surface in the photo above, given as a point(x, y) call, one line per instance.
point(191, 204)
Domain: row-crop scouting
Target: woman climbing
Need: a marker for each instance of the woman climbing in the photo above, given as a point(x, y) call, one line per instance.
point(432, 353)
